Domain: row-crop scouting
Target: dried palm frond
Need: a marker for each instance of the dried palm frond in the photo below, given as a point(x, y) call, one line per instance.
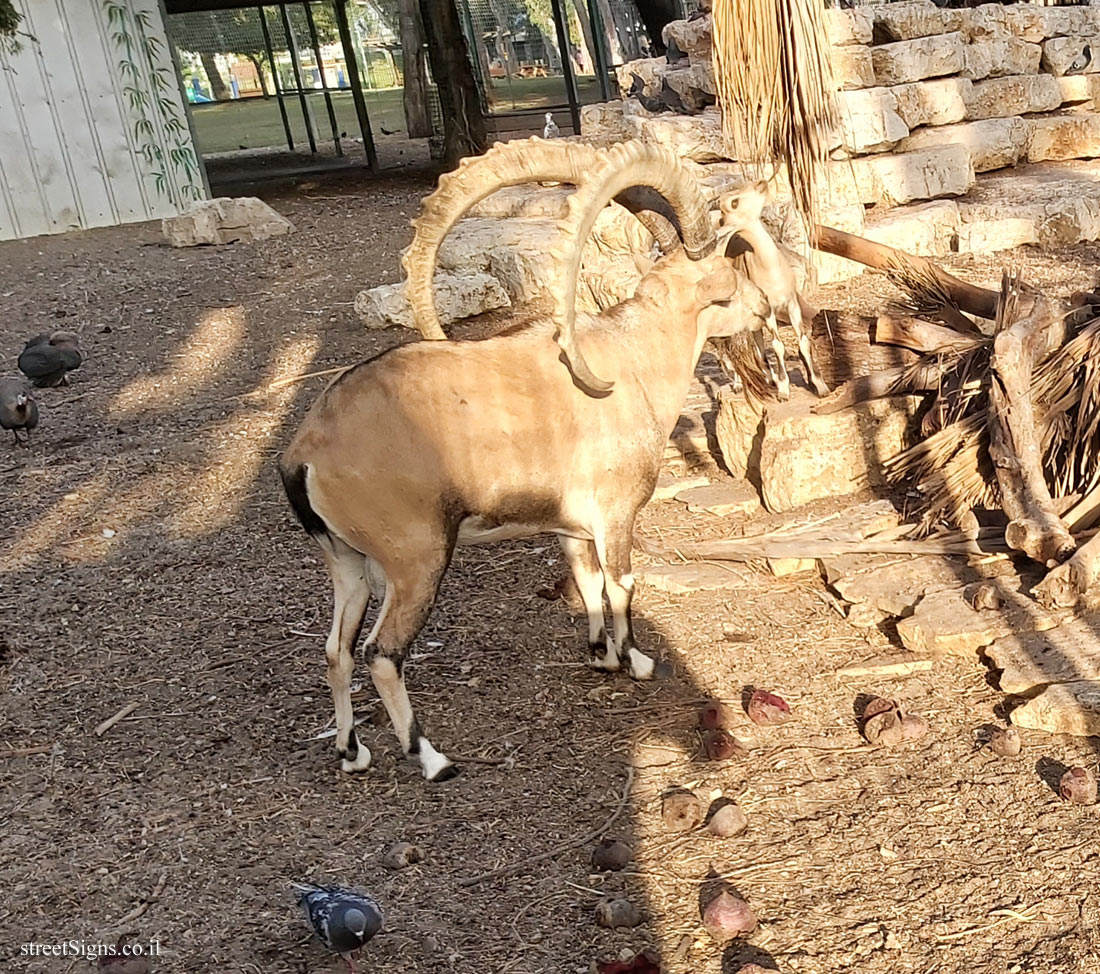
point(739, 355)
point(775, 87)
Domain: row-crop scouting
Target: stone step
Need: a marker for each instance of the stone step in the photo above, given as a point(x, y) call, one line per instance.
point(722, 500)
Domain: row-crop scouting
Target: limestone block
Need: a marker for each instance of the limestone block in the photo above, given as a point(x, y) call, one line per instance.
point(456, 296)
point(869, 120)
point(605, 123)
point(650, 69)
point(690, 82)
point(1061, 212)
point(943, 623)
point(738, 428)
point(895, 587)
point(853, 67)
point(697, 137)
point(1000, 57)
point(992, 142)
point(927, 229)
point(1064, 708)
point(1079, 89)
point(669, 486)
point(1065, 20)
point(909, 20)
point(925, 57)
point(1015, 95)
point(992, 20)
point(988, 236)
point(804, 456)
point(938, 102)
point(848, 26)
point(690, 577)
point(693, 37)
point(920, 175)
point(224, 220)
point(1062, 654)
point(1064, 137)
point(525, 201)
point(722, 500)
point(1072, 55)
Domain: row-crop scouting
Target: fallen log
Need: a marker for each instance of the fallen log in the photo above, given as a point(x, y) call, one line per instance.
point(1065, 585)
point(1014, 446)
point(968, 298)
point(920, 336)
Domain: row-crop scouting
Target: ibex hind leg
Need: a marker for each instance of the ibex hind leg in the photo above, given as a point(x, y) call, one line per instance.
point(805, 348)
point(783, 384)
point(585, 565)
point(348, 569)
point(409, 598)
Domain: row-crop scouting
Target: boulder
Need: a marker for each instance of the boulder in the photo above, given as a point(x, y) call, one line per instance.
point(224, 220)
point(697, 137)
point(1064, 137)
point(944, 623)
point(920, 175)
point(1064, 708)
point(1072, 55)
point(524, 201)
point(456, 296)
point(798, 456)
point(925, 57)
point(992, 142)
point(693, 37)
point(848, 26)
point(650, 69)
point(910, 20)
point(853, 67)
point(1015, 95)
point(869, 120)
point(988, 236)
point(1000, 57)
point(938, 102)
point(473, 242)
point(927, 229)
point(605, 123)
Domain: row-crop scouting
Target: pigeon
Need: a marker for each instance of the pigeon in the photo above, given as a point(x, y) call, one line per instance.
point(18, 410)
point(343, 919)
point(1082, 61)
point(47, 359)
point(673, 54)
point(650, 103)
point(551, 131)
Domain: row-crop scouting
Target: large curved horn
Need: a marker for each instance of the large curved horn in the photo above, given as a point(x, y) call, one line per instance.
point(506, 164)
point(626, 165)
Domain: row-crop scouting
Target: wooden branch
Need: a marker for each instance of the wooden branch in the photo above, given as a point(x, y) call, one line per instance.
point(970, 298)
point(920, 336)
point(1034, 527)
point(879, 385)
point(1084, 513)
point(1065, 585)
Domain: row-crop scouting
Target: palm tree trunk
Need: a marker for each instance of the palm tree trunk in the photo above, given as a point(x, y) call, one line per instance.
point(586, 30)
point(414, 59)
point(218, 89)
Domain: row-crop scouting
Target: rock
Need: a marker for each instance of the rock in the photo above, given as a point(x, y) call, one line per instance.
point(668, 486)
point(691, 82)
point(991, 20)
point(525, 201)
point(999, 58)
point(1022, 20)
point(697, 137)
point(922, 174)
point(937, 102)
point(725, 818)
point(1071, 55)
point(992, 143)
point(1030, 660)
point(805, 456)
point(690, 577)
point(401, 855)
point(614, 911)
point(650, 69)
point(1064, 137)
point(853, 67)
point(848, 26)
point(605, 123)
point(869, 120)
point(1064, 708)
point(1016, 95)
point(887, 669)
point(1059, 21)
point(988, 236)
point(739, 430)
point(1078, 785)
point(781, 567)
point(925, 229)
point(925, 57)
point(473, 242)
point(1079, 89)
point(906, 21)
point(224, 220)
point(722, 500)
point(895, 587)
point(456, 296)
point(693, 37)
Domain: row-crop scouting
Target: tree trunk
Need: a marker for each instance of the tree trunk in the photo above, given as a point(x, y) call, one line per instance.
point(414, 57)
point(463, 123)
point(218, 89)
point(586, 31)
point(611, 32)
point(259, 66)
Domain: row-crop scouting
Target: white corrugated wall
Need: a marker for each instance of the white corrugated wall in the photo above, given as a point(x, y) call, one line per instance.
point(93, 129)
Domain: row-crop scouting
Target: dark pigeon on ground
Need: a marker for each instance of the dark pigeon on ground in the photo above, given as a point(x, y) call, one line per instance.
point(343, 919)
point(47, 359)
point(673, 54)
point(18, 410)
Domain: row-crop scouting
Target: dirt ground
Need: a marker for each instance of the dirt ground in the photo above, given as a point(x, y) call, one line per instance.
point(147, 556)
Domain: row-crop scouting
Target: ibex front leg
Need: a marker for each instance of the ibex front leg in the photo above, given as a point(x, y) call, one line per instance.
point(614, 552)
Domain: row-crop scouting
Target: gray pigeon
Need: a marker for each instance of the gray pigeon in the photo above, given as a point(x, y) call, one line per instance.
point(18, 410)
point(551, 131)
point(47, 359)
point(343, 919)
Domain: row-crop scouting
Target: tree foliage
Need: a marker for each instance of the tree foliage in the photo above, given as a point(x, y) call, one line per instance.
point(9, 19)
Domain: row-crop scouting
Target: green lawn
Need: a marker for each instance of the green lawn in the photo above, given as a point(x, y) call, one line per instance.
point(254, 123)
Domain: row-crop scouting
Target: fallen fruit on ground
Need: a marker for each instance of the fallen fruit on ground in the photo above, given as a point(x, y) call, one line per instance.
point(681, 811)
point(1078, 785)
point(611, 855)
point(614, 911)
point(727, 916)
point(768, 709)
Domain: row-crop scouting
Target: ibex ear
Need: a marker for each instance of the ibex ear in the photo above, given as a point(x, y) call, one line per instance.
point(762, 187)
point(718, 285)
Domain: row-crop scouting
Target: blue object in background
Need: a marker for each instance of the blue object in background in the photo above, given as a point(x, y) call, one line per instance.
point(340, 82)
point(234, 88)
